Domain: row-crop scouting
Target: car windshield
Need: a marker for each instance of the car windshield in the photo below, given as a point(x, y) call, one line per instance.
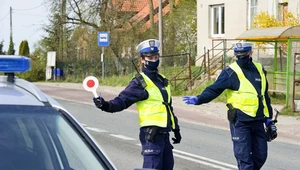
point(40, 138)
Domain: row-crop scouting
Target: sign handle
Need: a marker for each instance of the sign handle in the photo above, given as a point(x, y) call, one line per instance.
point(95, 93)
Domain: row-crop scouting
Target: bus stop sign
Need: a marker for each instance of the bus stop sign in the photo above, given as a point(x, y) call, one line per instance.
point(103, 39)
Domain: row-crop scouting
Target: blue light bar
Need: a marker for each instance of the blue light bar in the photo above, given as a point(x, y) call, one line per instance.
point(13, 63)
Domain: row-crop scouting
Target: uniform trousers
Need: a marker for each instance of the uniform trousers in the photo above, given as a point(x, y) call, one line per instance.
point(249, 144)
point(157, 154)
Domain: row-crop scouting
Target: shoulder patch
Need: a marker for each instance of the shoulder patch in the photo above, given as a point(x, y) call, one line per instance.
point(229, 71)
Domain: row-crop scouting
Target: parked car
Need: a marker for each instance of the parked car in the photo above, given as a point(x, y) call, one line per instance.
point(36, 132)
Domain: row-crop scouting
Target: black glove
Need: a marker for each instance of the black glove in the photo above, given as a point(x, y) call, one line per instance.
point(100, 103)
point(271, 132)
point(177, 138)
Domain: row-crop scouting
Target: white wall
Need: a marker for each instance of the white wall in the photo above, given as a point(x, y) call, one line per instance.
point(235, 19)
point(294, 7)
point(235, 22)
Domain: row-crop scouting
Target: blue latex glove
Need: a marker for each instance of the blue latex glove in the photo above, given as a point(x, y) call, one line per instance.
point(268, 121)
point(190, 99)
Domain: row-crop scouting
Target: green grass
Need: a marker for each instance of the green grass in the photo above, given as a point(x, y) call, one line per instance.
point(170, 72)
point(124, 80)
point(289, 112)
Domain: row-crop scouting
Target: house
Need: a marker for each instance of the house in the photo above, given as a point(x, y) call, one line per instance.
point(225, 20)
point(140, 11)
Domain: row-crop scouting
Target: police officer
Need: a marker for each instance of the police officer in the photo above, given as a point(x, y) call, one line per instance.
point(151, 93)
point(249, 107)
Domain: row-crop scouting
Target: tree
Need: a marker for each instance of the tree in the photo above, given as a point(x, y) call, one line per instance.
point(24, 48)
point(183, 36)
point(265, 20)
point(51, 42)
point(109, 17)
point(21, 47)
point(38, 63)
point(90, 17)
point(11, 50)
point(1, 48)
point(151, 9)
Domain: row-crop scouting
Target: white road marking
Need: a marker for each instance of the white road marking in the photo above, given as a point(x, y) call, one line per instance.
point(181, 154)
point(201, 162)
point(205, 159)
point(122, 137)
point(82, 124)
point(95, 129)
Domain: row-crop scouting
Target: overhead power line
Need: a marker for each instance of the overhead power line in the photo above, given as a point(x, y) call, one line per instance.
point(30, 14)
point(4, 17)
point(30, 8)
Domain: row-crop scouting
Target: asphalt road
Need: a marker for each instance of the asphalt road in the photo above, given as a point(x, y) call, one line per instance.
point(202, 147)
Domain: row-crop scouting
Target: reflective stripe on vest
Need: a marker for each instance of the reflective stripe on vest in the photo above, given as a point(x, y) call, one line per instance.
point(246, 98)
point(152, 111)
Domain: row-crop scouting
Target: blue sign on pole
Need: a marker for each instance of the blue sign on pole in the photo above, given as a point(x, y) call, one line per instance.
point(103, 39)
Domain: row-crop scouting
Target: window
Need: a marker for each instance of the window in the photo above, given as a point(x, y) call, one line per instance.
point(217, 20)
point(282, 12)
point(37, 137)
point(252, 11)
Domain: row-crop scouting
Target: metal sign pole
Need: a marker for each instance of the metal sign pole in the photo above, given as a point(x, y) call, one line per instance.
point(102, 60)
point(103, 41)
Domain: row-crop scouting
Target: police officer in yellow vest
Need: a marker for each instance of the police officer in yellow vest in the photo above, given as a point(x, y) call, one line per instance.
point(151, 93)
point(249, 107)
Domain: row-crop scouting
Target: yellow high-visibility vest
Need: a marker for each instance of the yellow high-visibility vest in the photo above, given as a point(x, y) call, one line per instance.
point(152, 111)
point(246, 97)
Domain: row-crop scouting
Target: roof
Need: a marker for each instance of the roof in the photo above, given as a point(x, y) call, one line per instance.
point(272, 33)
point(129, 5)
point(165, 10)
point(144, 12)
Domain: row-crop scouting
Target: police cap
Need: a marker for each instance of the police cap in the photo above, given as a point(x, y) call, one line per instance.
point(242, 48)
point(148, 47)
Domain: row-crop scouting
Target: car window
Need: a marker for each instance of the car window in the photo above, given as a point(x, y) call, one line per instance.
point(39, 137)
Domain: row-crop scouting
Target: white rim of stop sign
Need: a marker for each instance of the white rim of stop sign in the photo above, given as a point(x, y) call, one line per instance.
point(91, 84)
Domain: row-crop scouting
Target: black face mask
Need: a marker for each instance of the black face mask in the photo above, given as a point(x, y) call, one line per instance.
point(151, 65)
point(244, 62)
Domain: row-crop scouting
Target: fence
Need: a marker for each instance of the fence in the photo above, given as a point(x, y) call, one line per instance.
point(113, 66)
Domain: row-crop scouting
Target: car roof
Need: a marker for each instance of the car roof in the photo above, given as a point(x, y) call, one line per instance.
point(22, 92)
point(15, 91)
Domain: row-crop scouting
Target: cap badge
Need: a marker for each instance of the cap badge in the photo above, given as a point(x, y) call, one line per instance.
point(151, 43)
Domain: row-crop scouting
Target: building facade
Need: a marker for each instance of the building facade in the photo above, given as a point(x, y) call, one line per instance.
point(227, 19)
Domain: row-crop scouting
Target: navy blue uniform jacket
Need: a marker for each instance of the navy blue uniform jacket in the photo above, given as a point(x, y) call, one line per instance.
point(228, 80)
point(134, 92)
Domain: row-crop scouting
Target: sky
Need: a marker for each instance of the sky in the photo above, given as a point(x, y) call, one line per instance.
point(28, 18)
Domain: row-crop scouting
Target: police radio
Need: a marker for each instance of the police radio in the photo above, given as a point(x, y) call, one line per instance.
point(138, 76)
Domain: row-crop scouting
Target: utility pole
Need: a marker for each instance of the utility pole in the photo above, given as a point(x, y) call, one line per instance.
point(63, 42)
point(10, 22)
point(11, 50)
point(160, 27)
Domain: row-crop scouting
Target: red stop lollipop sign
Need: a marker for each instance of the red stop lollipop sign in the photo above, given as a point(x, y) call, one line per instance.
point(91, 83)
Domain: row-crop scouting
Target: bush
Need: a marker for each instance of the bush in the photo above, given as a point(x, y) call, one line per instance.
point(36, 73)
